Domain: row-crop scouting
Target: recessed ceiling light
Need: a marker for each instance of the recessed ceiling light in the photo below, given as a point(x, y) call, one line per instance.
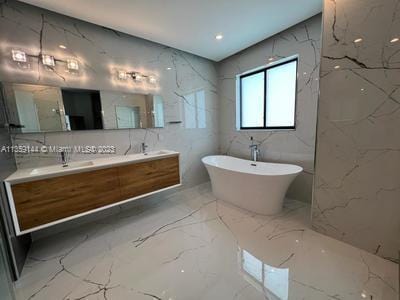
point(169, 68)
point(337, 67)
point(219, 37)
point(271, 59)
point(394, 40)
point(359, 40)
point(62, 46)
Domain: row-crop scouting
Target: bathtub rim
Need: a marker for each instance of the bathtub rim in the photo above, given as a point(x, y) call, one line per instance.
point(249, 173)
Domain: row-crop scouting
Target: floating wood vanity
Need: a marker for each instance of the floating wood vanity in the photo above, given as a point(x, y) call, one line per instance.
point(46, 196)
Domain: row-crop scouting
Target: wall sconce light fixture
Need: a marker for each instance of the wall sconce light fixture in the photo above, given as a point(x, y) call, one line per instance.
point(136, 76)
point(122, 75)
point(72, 65)
point(152, 79)
point(18, 56)
point(47, 60)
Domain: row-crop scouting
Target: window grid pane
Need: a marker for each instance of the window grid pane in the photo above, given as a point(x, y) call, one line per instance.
point(281, 95)
point(252, 95)
point(268, 97)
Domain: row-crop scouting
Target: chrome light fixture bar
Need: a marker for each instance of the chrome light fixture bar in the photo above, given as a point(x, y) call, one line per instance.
point(47, 60)
point(136, 76)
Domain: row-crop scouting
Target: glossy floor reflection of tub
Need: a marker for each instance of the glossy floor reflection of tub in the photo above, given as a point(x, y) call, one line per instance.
point(191, 246)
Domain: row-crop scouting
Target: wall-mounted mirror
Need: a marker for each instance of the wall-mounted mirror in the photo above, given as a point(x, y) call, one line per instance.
point(39, 108)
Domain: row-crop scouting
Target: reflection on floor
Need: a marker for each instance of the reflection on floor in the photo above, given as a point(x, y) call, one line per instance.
point(191, 246)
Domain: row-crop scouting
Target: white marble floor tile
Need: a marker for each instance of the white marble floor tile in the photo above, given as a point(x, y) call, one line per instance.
point(192, 246)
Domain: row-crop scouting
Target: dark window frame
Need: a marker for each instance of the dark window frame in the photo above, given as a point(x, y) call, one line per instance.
point(264, 70)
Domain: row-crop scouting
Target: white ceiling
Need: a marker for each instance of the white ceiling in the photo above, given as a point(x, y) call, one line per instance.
point(191, 25)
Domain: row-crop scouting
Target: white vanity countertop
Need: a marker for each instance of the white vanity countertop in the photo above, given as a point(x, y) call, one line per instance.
point(26, 175)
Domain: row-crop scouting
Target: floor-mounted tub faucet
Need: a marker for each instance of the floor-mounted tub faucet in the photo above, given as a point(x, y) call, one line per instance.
point(254, 151)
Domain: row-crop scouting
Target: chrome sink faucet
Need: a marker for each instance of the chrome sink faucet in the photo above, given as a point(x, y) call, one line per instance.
point(144, 147)
point(254, 151)
point(64, 158)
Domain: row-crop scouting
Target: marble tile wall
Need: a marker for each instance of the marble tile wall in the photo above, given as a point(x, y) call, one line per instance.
point(17, 247)
point(100, 52)
point(281, 146)
point(357, 186)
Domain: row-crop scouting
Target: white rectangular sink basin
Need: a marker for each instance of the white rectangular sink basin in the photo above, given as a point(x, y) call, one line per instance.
point(152, 153)
point(24, 175)
point(70, 166)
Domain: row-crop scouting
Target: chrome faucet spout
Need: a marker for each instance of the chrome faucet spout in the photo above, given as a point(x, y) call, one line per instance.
point(254, 151)
point(64, 158)
point(144, 147)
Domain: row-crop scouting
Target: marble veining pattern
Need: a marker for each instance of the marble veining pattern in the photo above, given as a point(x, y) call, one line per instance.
point(293, 146)
point(357, 187)
point(192, 246)
point(100, 52)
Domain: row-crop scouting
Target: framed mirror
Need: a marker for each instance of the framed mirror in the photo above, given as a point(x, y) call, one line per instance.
point(39, 108)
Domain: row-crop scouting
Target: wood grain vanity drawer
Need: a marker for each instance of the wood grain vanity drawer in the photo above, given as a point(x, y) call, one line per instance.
point(44, 201)
point(41, 202)
point(142, 178)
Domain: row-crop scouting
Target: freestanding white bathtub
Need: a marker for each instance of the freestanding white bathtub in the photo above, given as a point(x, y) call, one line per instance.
point(255, 186)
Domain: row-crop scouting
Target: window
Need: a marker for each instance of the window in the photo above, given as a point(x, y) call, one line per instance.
point(268, 97)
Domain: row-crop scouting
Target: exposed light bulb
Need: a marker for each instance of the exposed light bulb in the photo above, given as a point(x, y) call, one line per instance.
point(152, 79)
point(394, 40)
point(18, 56)
point(62, 46)
point(137, 77)
point(48, 60)
point(122, 75)
point(72, 65)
